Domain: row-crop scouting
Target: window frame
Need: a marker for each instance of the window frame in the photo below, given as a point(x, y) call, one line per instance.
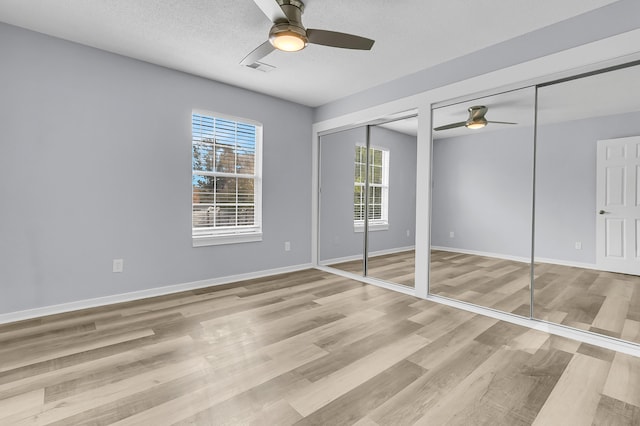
point(235, 233)
point(381, 224)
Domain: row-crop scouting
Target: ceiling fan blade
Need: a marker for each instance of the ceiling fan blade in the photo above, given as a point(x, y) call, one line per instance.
point(272, 9)
point(335, 39)
point(258, 53)
point(500, 122)
point(451, 126)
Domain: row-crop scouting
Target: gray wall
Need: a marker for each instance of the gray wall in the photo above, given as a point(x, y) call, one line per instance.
point(615, 18)
point(402, 190)
point(482, 191)
point(566, 184)
point(95, 164)
point(482, 188)
point(337, 236)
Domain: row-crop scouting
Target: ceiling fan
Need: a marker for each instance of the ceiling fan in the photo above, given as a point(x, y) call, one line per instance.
point(288, 33)
point(476, 119)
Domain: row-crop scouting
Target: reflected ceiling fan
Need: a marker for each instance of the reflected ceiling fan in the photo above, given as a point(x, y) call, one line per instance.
point(288, 33)
point(476, 119)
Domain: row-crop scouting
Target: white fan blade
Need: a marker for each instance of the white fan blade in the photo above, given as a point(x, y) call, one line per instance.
point(258, 53)
point(272, 9)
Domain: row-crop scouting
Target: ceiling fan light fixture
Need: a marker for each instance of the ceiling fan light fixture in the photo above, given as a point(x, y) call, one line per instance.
point(290, 35)
point(477, 124)
point(289, 39)
point(476, 118)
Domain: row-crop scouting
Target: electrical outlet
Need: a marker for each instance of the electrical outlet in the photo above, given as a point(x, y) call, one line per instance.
point(287, 246)
point(408, 233)
point(118, 265)
point(578, 245)
point(452, 234)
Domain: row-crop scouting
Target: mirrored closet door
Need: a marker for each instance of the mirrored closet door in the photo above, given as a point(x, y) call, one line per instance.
point(392, 201)
point(370, 172)
point(482, 200)
point(587, 208)
point(342, 181)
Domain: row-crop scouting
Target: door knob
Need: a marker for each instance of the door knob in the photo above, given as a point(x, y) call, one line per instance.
point(601, 212)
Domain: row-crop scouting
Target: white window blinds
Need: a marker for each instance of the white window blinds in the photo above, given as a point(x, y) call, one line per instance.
point(225, 176)
point(378, 185)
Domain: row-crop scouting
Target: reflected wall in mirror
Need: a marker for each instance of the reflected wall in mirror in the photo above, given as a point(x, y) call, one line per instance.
point(588, 204)
point(482, 195)
point(392, 201)
point(341, 245)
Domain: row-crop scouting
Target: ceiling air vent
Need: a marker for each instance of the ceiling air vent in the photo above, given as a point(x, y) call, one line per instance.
point(261, 67)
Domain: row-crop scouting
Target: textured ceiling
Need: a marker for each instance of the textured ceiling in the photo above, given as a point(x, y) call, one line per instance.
point(209, 37)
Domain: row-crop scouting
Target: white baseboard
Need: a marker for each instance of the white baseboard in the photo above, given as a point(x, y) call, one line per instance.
point(142, 294)
point(371, 254)
point(483, 253)
point(568, 263)
point(518, 258)
point(369, 280)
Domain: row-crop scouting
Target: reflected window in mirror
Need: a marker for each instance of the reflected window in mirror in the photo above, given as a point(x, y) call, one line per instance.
point(378, 188)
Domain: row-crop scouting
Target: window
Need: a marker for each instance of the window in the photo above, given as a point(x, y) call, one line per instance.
point(226, 179)
point(378, 188)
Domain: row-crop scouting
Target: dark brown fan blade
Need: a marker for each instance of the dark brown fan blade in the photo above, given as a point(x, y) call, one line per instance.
point(335, 39)
point(501, 122)
point(258, 53)
point(451, 126)
point(272, 9)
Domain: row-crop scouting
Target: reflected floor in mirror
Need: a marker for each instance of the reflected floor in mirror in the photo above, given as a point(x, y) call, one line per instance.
point(599, 301)
point(398, 268)
point(603, 302)
point(485, 281)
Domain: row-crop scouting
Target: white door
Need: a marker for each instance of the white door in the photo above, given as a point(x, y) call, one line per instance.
point(618, 205)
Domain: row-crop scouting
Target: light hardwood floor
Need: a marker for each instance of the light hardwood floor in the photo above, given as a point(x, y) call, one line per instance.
point(486, 281)
point(398, 268)
point(603, 302)
point(304, 348)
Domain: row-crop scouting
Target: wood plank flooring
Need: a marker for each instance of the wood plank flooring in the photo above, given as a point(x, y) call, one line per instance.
point(604, 302)
point(398, 268)
point(484, 281)
point(306, 348)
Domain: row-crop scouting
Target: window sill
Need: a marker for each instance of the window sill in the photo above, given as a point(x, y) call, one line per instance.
point(216, 240)
point(372, 227)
